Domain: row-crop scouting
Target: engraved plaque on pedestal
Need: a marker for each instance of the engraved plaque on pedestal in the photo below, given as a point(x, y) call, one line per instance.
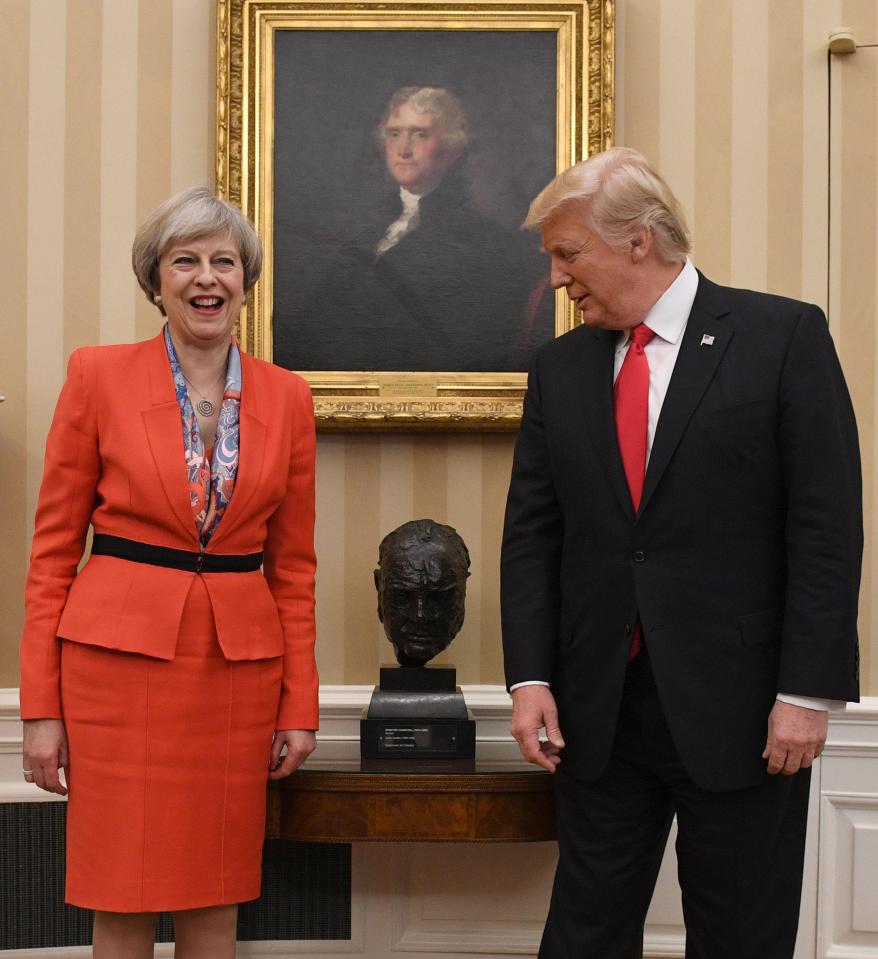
point(417, 723)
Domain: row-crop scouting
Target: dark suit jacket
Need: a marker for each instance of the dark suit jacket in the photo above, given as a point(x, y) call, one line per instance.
point(451, 295)
point(743, 561)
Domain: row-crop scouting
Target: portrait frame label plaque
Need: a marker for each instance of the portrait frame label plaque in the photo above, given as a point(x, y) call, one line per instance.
point(273, 107)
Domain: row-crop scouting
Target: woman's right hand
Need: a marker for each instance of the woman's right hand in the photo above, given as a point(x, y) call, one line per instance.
point(45, 753)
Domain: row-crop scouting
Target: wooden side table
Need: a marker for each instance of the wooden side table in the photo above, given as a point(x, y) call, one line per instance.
point(322, 805)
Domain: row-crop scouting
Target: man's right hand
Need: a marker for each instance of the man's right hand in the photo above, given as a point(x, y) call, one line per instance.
point(533, 708)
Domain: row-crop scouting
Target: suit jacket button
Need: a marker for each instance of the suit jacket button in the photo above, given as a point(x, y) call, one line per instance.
point(627, 629)
point(639, 556)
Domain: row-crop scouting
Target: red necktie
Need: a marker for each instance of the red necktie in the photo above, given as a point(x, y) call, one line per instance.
point(631, 403)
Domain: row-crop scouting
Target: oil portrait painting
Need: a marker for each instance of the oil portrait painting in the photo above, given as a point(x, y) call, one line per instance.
point(404, 164)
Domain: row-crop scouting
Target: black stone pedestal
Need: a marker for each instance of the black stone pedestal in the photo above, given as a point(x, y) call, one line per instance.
point(417, 714)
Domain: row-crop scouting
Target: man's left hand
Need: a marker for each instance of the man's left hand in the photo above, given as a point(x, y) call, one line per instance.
point(796, 736)
point(300, 744)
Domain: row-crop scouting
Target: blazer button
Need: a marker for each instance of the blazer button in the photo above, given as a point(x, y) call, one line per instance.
point(627, 629)
point(639, 556)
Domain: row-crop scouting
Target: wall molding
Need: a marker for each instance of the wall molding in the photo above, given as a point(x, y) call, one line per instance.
point(852, 733)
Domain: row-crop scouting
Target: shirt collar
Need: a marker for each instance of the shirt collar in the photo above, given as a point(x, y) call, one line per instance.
point(670, 312)
point(411, 200)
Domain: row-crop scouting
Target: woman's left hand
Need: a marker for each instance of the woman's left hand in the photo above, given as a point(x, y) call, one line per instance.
point(300, 744)
point(45, 753)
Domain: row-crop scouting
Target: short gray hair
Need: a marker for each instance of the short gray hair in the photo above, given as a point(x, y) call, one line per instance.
point(190, 215)
point(442, 103)
point(621, 194)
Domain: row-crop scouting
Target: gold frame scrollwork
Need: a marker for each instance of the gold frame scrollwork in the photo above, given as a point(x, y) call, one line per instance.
point(244, 174)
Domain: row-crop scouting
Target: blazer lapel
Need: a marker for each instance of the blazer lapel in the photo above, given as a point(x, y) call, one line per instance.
point(164, 433)
point(696, 364)
point(594, 373)
point(251, 449)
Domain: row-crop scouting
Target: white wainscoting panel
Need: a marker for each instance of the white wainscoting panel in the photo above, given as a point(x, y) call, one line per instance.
point(848, 875)
point(481, 899)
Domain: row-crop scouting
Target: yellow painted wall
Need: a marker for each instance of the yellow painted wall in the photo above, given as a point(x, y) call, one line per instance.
point(108, 108)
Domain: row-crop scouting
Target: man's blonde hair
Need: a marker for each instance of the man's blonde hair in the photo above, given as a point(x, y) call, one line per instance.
point(620, 194)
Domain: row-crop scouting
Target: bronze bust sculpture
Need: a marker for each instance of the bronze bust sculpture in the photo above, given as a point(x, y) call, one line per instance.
point(421, 582)
point(417, 713)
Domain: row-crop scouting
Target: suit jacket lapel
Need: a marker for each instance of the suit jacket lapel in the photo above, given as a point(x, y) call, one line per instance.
point(164, 433)
point(251, 449)
point(594, 371)
point(696, 364)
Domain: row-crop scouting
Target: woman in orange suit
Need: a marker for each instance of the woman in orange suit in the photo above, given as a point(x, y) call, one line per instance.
point(167, 675)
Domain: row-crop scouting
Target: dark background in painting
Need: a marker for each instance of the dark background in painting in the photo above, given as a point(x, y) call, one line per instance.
point(330, 184)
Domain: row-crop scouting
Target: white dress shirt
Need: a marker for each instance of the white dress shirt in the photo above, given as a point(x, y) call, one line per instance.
point(667, 319)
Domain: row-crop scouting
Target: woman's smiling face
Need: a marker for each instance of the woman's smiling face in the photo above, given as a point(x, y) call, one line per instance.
point(202, 287)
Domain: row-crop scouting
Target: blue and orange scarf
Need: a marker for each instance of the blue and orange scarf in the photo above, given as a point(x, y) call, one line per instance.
point(212, 483)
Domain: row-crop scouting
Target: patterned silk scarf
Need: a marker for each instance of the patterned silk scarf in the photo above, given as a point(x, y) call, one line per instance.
point(210, 484)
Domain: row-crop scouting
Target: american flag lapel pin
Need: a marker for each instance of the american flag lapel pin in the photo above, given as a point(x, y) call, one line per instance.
point(707, 340)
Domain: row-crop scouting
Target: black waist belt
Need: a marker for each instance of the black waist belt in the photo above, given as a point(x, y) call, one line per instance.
point(131, 549)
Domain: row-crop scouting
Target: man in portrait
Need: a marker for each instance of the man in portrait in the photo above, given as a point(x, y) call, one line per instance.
point(680, 571)
point(417, 278)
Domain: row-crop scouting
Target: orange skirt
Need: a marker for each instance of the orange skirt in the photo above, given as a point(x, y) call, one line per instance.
point(168, 771)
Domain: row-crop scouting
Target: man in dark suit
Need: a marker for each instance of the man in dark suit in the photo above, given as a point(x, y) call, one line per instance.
point(680, 570)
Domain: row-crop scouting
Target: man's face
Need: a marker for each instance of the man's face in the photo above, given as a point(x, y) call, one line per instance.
point(602, 283)
point(416, 156)
point(421, 595)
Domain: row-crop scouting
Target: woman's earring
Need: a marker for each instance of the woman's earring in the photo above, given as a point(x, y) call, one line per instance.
point(157, 299)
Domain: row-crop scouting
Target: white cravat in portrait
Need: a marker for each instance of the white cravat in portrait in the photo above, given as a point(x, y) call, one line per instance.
point(406, 222)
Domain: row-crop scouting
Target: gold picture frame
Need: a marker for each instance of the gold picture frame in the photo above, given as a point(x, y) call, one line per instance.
point(259, 44)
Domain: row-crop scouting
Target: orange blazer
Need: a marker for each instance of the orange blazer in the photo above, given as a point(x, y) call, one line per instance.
point(114, 459)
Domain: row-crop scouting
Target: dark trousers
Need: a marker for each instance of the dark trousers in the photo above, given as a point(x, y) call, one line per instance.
point(739, 853)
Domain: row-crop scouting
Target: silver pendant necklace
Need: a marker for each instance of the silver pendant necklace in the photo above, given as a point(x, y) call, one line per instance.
point(204, 406)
